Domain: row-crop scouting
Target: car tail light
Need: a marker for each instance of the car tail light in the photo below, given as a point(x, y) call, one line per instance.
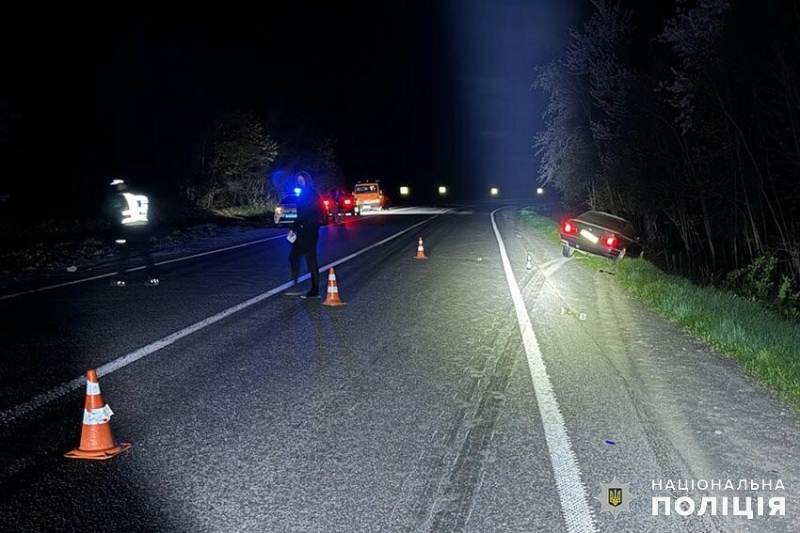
point(327, 203)
point(569, 227)
point(347, 202)
point(610, 241)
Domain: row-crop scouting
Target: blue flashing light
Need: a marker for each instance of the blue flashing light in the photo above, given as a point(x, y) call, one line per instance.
point(277, 176)
point(297, 191)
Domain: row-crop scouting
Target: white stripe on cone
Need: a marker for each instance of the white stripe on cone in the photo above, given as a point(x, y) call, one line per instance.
point(95, 417)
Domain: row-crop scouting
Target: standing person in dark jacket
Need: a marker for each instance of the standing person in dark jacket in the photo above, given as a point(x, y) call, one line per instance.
point(129, 215)
point(306, 229)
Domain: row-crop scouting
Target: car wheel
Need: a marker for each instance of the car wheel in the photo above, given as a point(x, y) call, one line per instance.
point(566, 250)
point(621, 254)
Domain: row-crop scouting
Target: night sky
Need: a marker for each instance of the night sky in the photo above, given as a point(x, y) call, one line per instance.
point(416, 92)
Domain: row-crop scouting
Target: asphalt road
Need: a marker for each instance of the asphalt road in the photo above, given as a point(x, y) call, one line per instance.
point(464, 392)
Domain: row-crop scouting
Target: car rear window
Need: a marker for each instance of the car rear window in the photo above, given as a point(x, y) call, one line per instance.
point(366, 188)
point(604, 220)
point(289, 200)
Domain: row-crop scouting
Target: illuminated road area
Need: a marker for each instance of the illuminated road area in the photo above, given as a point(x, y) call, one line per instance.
point(462, 392)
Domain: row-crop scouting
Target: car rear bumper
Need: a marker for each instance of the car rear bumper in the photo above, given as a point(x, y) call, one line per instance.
point(587, 247)
point(280, 219)
point(369, 204)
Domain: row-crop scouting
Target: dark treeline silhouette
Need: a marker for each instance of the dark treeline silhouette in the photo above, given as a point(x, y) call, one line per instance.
point(688, 125)
point(166, 98)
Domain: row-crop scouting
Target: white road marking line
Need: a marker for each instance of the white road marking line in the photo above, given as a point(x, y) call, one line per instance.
point(579, 517)
point(13, 413)
point(176, 260)
point(101, 276)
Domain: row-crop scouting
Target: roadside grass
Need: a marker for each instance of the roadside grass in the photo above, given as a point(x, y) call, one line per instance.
point(59, 254)
point(542, 225)
point(766, 344)
point(252, 211)
point(53, 245)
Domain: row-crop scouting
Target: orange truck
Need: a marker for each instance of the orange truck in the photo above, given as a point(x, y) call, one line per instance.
point(368, 196)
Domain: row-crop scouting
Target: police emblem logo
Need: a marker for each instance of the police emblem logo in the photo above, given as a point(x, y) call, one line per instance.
point(615, 497)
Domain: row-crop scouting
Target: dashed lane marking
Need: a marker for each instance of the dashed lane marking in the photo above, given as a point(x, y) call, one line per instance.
point(13, 413)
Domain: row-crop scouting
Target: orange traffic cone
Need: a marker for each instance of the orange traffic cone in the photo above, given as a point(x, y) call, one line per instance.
point(96, 439)
point(333, 290)
point(420, 251)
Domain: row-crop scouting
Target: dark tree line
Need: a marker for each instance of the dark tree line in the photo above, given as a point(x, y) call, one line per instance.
point(188, 109)
point(692, 131)
point(240, 162)
point(222, 161)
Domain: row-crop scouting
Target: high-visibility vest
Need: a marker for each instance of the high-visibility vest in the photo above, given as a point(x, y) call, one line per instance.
point(136, 213)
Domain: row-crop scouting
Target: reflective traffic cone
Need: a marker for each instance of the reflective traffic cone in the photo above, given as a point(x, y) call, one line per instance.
point(420, 251)
point(333, 290)
point(96, 439)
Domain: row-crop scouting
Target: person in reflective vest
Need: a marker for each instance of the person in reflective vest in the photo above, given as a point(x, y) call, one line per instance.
point(130, 213)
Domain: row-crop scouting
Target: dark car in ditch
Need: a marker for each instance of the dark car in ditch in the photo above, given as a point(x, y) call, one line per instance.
point(599, 233)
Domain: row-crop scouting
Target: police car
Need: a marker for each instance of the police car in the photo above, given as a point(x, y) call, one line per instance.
point(286, 210)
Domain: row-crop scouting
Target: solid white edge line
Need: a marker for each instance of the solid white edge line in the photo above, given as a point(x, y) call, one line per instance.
point(12, 414)
point(101, 276)
point(577, 513)
point(176, 260)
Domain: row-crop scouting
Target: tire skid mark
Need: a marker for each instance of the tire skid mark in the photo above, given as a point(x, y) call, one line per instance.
point(610, 310)
point(667, 456)
point(458, 494)
point(453, 472)
point(446, 505)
